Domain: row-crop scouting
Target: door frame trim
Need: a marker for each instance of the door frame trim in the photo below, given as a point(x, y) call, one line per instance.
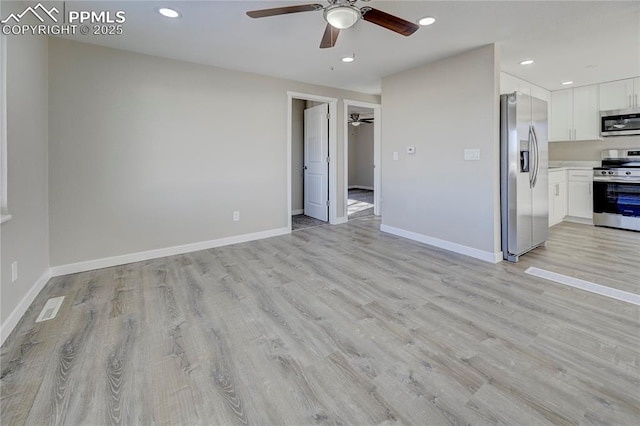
point(376, 152)
point(333, 150)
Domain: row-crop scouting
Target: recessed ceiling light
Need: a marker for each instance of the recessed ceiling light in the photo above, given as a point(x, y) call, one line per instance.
point(427, 20)
point(349, 58)
point(526, 62)
point(566, 83)
point(169, 13)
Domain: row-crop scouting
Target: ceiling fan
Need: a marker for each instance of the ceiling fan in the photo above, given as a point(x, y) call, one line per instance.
point(340, 15)
point(355, 120)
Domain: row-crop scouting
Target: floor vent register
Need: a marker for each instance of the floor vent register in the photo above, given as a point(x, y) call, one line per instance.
point(50, 309)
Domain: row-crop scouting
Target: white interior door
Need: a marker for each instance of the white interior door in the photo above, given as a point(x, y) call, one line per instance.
point(316, 166)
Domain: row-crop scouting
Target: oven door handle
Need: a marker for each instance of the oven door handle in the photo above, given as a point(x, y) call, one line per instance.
point(598, 179)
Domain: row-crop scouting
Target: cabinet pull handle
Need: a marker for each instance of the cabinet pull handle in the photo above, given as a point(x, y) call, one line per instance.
point(557, 189)
point(636, 96)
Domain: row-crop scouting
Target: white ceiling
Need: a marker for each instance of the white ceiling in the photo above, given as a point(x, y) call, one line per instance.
point(587, 42)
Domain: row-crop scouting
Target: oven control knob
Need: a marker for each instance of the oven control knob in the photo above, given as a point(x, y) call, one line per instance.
point(610, 173)
point(603, 172)
point(628, 173)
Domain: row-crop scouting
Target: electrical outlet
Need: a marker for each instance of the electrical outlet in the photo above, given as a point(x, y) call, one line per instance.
point(14, 271)
point(236, 216)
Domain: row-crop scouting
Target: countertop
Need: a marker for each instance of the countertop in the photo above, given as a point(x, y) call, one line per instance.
point(574, 165)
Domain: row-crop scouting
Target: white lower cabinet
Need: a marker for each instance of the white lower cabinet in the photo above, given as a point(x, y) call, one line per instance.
point(557, 196)
point(580, 196)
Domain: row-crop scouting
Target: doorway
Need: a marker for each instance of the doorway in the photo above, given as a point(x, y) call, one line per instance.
point(362, 159)
point(311, 151)
point(360, 178)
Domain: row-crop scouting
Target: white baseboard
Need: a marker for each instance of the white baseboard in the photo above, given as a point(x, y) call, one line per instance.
point(295, 212)
point(487, 256)
point(555, 222)
point(370, 188)
point(7, 327)
point(107, 262)
point(340, 220)
point(581, 220)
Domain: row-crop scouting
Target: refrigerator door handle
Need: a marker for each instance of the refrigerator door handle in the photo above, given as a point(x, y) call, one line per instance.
point(536, 164)
point(537, 170)
point(531, 158)
point(532, 154)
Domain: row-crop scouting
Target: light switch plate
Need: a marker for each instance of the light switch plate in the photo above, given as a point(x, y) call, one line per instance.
point(395, 156)
point(472, 154)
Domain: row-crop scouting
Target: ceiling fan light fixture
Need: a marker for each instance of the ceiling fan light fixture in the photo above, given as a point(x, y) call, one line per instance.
point(355, 123)
point(342, 16)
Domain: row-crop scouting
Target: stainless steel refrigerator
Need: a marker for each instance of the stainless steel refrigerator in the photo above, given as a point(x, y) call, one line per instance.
point(524, 182)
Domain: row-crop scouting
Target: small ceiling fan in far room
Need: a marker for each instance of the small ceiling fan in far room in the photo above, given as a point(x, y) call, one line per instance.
point(355, 120)
point(340, 15)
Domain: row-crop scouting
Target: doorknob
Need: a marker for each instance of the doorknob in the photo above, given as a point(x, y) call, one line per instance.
point(304, 168)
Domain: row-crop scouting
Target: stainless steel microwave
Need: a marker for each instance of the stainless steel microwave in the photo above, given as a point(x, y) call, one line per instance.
point(620, 122)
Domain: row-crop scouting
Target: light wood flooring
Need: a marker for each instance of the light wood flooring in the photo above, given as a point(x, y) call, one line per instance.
point(359, 203)
point(335, 325)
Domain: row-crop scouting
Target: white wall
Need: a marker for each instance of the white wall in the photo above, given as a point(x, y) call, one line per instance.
point(25, 238)
point(297, 154)
point(148, 153)
point(589, 150)
point(361, 156)
point(435, 196)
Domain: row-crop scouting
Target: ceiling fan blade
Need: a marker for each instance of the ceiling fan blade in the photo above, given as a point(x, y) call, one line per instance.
point(389, 22)
point(367, 120)
point(330, 37)
point(262, 13)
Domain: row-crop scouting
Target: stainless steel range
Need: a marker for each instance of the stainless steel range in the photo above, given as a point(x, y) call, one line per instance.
point(616, 189)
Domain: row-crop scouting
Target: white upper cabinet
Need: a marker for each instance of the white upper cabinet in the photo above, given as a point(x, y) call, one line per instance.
point(574, 114)
point(620, 94)
point(510, 84)
point(585, 113)
point(540, 93)
point(561, 115)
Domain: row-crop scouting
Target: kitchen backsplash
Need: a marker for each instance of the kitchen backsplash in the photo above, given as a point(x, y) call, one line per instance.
point(589, 150)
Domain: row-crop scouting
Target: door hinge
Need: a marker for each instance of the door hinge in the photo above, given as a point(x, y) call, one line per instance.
point(327, 203)
point(328, 116)
point(328, 159)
